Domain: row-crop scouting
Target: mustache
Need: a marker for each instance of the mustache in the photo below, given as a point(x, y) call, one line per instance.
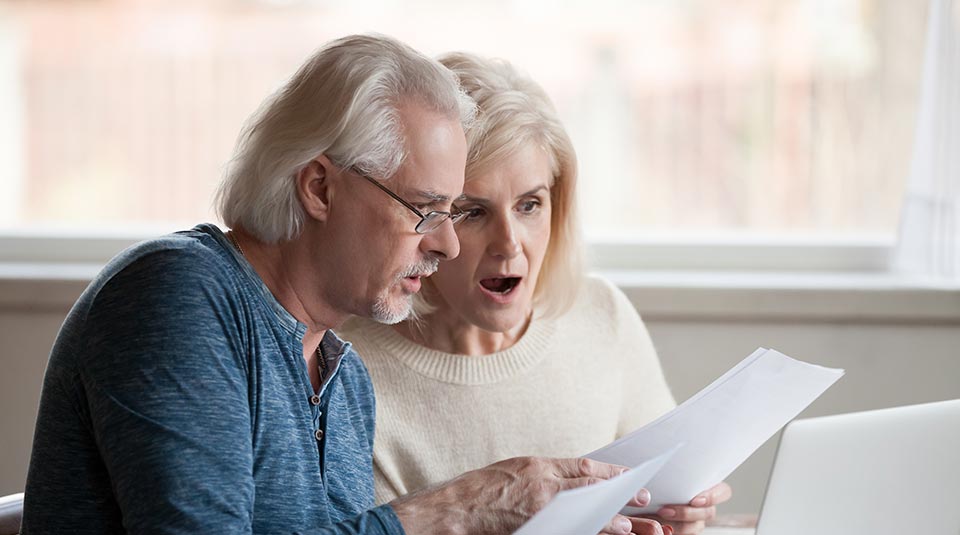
point(424, 268)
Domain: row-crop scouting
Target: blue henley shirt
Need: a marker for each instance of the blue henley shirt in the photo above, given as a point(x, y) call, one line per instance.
point(177, 400)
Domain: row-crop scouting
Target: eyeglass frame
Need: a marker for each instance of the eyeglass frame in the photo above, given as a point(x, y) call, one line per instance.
point(455, 215)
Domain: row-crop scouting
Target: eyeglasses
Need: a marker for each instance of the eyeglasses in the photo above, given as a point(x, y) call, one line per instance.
point(429, 221)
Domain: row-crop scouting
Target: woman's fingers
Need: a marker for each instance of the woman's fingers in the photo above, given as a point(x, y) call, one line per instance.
point(715, 495)
point(685, 513)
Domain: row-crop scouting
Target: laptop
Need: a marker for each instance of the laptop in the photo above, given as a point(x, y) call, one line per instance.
point(889, 471)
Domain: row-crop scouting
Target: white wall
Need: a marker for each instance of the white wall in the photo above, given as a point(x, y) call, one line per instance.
point(889, 361)
point(26, 337)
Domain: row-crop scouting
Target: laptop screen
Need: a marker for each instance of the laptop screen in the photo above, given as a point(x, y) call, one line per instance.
point(885, 471)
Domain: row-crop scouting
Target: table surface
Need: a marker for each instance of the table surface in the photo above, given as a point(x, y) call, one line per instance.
point(732, 524)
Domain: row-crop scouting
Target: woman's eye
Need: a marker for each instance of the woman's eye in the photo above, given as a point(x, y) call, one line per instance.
point(530, 206)
point(473, 213)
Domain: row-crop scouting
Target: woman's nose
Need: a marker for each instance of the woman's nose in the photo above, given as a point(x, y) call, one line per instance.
point(504, 242)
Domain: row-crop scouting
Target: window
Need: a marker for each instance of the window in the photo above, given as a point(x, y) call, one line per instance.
point(701, 119)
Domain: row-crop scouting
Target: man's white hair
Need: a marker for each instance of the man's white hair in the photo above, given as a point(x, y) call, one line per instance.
point(342, 103)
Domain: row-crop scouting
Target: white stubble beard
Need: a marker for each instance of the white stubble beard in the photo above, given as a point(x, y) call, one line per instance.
point(381, 311)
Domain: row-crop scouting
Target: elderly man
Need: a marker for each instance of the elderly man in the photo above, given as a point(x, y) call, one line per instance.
point(196, 386)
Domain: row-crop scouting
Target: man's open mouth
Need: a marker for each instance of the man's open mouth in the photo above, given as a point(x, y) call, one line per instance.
point(500, 285)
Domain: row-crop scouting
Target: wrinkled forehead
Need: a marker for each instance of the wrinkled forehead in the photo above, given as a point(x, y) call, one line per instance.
point(525, 167)
point(435, 153)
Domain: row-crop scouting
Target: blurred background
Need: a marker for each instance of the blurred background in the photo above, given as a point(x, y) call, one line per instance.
point(744, 116)
point(744, 166)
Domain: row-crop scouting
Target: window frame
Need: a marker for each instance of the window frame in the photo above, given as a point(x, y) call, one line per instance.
point(841, 281)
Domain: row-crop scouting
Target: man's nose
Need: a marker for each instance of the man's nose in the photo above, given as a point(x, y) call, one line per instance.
point(442, 242)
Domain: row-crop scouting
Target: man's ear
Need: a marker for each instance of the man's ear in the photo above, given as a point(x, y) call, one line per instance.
point(314, 187)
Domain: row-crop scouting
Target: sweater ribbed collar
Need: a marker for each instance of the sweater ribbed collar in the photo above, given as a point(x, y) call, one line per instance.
point(463, 369)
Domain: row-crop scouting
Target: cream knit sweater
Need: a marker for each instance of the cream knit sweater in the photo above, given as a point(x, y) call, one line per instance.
point(569, 386)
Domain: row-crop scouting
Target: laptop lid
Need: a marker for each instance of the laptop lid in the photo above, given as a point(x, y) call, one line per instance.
point(877, 472)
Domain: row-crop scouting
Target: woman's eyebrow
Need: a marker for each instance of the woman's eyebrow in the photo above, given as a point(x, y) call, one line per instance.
point(483, 200)
point(534, 190)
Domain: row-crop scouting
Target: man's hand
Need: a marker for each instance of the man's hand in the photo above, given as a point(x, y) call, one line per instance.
point(499, 498)
point(691, 519)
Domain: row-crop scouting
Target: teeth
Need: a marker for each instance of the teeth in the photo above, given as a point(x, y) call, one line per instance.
point(500, 285)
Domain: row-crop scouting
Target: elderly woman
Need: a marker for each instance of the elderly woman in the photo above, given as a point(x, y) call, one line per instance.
point(519, 352)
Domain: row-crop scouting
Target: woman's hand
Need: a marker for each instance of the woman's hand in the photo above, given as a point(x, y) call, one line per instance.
point(691, 519)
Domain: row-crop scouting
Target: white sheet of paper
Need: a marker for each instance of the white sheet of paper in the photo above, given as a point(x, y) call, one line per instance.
point(721, 425)
point(586, 510)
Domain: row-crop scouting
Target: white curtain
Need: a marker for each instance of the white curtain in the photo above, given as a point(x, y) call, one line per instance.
point(929, 240)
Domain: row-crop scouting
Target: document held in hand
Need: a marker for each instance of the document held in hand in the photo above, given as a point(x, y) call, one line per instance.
point(721, 425)
point(587, 509)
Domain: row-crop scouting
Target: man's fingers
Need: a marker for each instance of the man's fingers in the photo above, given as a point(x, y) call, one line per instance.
point(685, 513)
point(583, 467)
point(572, 483)
point(715, 495)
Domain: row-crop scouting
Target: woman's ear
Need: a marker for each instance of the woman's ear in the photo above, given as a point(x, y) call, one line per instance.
point(314, 187)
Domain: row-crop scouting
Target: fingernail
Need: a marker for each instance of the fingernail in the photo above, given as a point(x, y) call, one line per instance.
point(623, 525)
point(667, 530)
point(699, 501)
point(643, 497)
point(667, 512)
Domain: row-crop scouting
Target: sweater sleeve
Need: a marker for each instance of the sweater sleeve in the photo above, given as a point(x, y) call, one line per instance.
point(167, 392)
point(646, 394)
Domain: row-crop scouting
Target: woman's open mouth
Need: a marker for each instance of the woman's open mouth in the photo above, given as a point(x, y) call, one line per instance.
point(500, 288)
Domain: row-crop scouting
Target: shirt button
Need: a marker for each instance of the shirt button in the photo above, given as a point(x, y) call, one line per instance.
point(314, 399)
point(318, 434)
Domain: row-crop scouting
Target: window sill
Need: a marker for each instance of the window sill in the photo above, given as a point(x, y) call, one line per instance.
point(780, 296)
point(43, 286)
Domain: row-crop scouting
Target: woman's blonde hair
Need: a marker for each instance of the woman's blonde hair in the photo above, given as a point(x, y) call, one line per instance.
point(513, 111)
